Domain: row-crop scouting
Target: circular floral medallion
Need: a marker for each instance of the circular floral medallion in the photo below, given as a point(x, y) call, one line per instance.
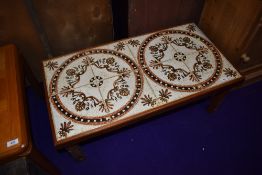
point(180, 60)
point(96, 86)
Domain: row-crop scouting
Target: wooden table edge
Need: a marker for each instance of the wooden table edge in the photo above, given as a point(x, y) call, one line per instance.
point(137, 117)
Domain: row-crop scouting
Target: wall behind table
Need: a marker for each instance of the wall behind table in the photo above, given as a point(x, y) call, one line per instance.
point(68, 26)
point(151, 15)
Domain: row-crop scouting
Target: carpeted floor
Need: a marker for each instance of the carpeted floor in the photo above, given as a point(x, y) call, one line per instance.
point(180, 142)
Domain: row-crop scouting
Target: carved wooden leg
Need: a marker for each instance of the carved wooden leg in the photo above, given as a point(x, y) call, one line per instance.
point(216, 100)
point(76, 152)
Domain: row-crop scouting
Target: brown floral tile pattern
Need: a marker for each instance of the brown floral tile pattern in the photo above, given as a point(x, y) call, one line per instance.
point(93, 88)
point(65, 129)
point(163, 96)
point(122, 44)
point(77, 102)
point(168, 44)
point(229, 72)
point(191, 28)
point(51, 65)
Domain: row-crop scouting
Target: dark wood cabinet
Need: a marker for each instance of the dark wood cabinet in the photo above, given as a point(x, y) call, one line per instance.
point(151, 15)
point(235, 27)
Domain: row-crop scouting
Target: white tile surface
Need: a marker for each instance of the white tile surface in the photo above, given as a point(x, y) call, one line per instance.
point(113, 82)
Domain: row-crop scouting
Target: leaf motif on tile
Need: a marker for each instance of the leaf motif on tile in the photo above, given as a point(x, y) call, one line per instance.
point(65, 129)
point(173, 73)
point(66, 91)
point(191, 27)
point(194, 77)
point(202, 50)
point(79, 99)
point(88, 61)
point(119, 90)
point(158, 50)
point(51, 65)
point(202, 64)
point(167, 39)
point(107, 63)
point(120, 46)
point(106, 106)
point(133, 43)
point(187, 42)
point(73, 74)
point(147, 100)
point(229, 72)
point(124, 73)
point(163, 96)
point(155, 64)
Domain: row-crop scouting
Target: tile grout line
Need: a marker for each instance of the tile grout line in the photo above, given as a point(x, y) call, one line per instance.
point(77, 87)
point(61, 92)
point(159, 62)
point(141, 71)
point(184, 63)
point(98, 86)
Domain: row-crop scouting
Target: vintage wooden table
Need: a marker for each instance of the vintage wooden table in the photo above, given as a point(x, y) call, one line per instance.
point(96, 90)
point(17, 152)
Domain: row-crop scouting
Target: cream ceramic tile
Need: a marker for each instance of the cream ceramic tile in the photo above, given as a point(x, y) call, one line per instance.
point(75, 74)
point(203, 65)
point(227, 73)
point(122, 92)
point(172, 73)
point(50, 69)
point(107, 61)
point(164, 95)
point(192, 28)
point(145, 101)
point(134, 44)
point(107, 65)
point(83, 101)
point(123, 46)
point(97, 87)
point(65, 127)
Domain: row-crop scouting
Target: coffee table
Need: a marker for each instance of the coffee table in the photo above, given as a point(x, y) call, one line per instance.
point(96, 90)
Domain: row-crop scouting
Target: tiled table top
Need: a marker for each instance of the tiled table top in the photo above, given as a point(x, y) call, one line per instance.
point(96, 89)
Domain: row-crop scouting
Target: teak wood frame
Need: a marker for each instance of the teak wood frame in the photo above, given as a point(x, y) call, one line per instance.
point(68, 143)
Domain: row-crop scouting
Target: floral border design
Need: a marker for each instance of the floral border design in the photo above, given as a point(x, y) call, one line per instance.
point(120, 46)
point(229, 72)
point(158, 52)
point(163, 96)
point(65, 128)
point(51, 65)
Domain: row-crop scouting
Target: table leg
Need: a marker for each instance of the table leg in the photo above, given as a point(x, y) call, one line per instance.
point(76, 152)
point(216, 100)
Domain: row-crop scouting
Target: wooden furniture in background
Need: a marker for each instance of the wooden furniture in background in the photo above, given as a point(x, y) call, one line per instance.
point(151, 15)
point(235, 27)
point(15, 140)
point(42, 29)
